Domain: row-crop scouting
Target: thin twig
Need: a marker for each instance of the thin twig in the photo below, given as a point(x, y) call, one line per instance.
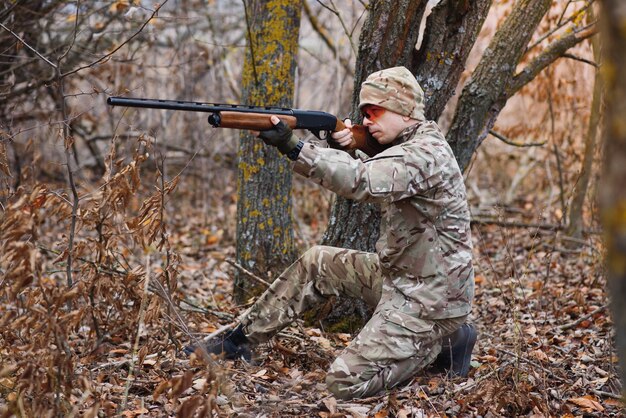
point(343, 24)
point(559, 26)
point(250, 43)
point(583, 318)
point(142, 315)
point(110, 54)
point(68, 145)
point(28, 46)
point(248, 273)
point(200, 309)
point(425, 395)
point(607, 394)
point(581, 59)
point(513, 224)
point(106, 269)
point(532, 363)
point(315, 24)
point(479, 380)
point(220, 331)
point(74, 34)
point(321, 31)
point(515, 144)
point(559, 167)
point(120, 363)
point(579, 241)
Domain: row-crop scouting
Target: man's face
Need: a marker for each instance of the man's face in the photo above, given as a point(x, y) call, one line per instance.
point(384, 125)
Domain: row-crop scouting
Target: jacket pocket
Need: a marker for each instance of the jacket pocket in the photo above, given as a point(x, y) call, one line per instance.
point(406, 324)
point(387, 177)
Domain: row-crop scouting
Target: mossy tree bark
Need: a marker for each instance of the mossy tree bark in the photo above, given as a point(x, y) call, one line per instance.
point(264, 231)
point(614, 194)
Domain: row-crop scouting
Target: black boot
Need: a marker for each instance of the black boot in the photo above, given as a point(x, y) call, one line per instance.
point(232, 345)
point(456, 351)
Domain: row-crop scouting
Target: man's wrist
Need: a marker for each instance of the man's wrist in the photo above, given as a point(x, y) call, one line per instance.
point(295, 151)
point(289, 145)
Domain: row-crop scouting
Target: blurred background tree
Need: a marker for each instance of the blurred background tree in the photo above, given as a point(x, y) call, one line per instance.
point(614, 170)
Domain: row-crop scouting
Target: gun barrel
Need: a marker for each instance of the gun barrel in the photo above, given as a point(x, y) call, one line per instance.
point(304, 119)
point(196, 106)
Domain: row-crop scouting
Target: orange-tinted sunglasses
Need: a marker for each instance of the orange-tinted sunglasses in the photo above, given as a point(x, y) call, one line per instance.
point(372, 112)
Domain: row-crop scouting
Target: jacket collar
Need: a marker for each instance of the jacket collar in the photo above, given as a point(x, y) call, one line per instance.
point(407, 133)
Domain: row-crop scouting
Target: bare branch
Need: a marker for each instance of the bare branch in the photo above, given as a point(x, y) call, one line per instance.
point(325, 37)
point(553, 52)
point(23, 42)
point(74, 33)
point(318, 28)
point(581, 59)
point(250, 42)
point(561, 24)
point(583, 318)
point(110, 54)
point(334, 11)
point(248, 273)
point(513, 143)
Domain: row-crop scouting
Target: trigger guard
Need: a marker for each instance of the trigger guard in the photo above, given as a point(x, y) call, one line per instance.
point(324, 135)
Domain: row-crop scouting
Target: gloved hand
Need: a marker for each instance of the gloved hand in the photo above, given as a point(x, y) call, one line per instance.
point(280, 136)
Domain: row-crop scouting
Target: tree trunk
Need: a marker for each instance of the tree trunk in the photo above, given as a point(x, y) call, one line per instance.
point(614, 193)
point(575, 215)
point(388, 39)
point(450, 33)
point(264, 231)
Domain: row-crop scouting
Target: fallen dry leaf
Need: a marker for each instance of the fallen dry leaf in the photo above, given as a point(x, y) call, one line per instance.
point(135, 412)
point(588, 402)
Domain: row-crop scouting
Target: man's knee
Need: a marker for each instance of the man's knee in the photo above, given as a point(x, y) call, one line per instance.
point(352, 376)
point(342, 387)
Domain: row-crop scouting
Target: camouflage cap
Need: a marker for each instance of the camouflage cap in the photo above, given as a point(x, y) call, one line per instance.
point(395, 89)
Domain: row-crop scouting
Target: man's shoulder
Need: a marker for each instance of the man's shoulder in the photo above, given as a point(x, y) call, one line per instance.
point(427, 137)
point(428, 130)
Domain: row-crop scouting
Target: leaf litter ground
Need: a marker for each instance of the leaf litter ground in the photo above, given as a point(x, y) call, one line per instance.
point(545, 347)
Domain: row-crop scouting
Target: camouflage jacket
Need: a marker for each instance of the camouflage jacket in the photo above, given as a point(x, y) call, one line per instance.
point(425, 246)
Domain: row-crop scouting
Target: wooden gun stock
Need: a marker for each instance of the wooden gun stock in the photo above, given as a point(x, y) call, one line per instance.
point(261, 121)
point(362, 139)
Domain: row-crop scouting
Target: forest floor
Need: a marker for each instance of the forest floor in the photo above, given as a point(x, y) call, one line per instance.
point(545, 344)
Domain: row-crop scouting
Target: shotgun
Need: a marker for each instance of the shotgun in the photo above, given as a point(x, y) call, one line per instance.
point(257, 118)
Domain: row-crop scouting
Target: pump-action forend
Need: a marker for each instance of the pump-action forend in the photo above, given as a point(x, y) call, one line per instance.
point(256, 118)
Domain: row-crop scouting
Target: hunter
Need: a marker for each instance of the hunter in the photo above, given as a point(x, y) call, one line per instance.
point(420, 280)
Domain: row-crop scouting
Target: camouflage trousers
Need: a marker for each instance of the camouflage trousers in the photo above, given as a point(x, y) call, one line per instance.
point(390, 349)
